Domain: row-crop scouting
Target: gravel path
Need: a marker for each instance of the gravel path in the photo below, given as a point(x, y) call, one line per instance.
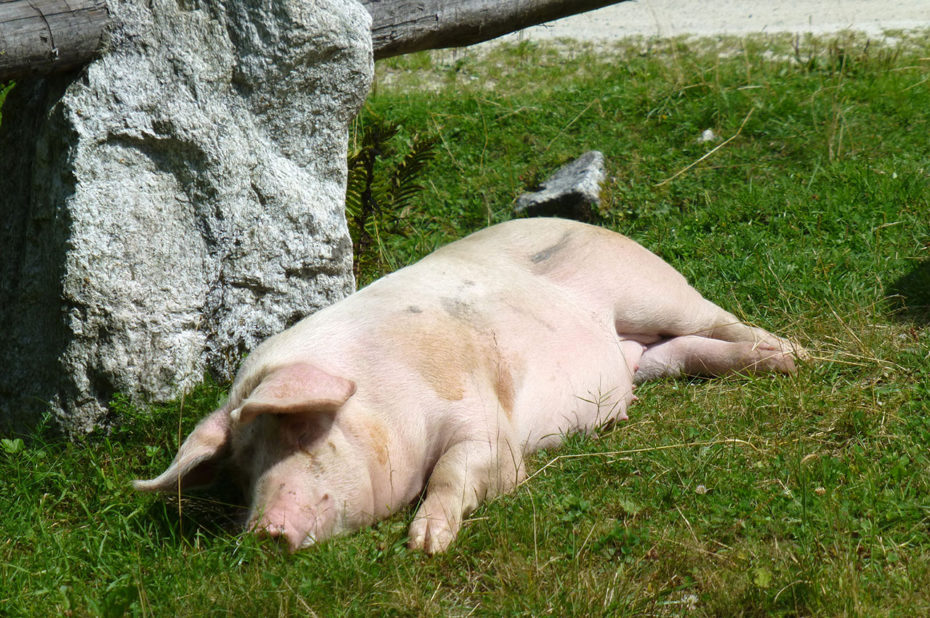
point(709, 17)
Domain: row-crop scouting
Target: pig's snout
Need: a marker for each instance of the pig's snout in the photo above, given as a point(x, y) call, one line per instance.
point(289, 521)
point(281, 529)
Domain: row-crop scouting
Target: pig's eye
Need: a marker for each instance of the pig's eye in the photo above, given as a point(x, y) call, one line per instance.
point(305, 440)
point(304, 431)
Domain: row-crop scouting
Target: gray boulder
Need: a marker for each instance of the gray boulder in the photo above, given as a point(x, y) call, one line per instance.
point(176, 203)
point(572, 192)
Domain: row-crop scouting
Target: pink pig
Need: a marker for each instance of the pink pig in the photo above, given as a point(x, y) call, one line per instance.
point(444, 375)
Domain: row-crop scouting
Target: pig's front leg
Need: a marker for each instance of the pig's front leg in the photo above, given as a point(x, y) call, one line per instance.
point(464, 476)
point(702, 356)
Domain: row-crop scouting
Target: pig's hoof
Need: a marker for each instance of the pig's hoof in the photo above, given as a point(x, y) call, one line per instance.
point(777, 358)
point(431, 535)
point(791, 348)
point(800, 353)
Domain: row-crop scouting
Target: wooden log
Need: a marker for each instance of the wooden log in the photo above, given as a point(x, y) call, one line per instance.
point(405, 26)
point(44, 36)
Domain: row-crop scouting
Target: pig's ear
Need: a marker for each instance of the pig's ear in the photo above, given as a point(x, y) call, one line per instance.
point(195, 462)
point(294, 389)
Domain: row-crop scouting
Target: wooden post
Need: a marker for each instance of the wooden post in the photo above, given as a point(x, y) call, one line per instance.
point(405, 26)
point(44, 36)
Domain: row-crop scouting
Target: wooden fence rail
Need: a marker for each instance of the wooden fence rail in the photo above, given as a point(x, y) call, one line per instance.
point(45, 36)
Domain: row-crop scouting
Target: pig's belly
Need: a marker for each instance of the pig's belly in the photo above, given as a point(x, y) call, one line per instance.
point(558, 366)
point(574, 381)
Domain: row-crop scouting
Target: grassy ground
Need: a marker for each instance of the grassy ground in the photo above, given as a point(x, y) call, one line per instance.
point(807, 495)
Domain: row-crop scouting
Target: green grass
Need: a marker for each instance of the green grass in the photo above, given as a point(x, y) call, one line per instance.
point(806, 495)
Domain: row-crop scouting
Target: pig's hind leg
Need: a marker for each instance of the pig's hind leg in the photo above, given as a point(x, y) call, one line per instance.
point(676, 309)
point(464, 476)
point(701, 356)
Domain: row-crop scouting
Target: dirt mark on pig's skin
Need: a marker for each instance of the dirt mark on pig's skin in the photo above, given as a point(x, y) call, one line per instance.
point(548, 252)
point(458, 309)
point(503, 386)
point(440, 349)
point(450, 354)
point(376, 434)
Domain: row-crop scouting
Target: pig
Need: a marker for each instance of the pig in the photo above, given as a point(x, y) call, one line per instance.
point(435, 382)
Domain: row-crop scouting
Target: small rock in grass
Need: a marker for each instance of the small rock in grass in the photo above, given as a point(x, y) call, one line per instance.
point(571, 192)
point(707, 136)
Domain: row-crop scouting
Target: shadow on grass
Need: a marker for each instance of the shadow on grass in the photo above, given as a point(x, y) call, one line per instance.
point(910, 295)
point(215, 512)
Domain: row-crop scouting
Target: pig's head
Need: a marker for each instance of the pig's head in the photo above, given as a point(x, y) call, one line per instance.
point(283, 442)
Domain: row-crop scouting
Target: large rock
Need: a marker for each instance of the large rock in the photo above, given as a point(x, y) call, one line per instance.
point(177, 202)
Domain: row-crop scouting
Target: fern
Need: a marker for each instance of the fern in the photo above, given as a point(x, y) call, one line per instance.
point(382, 184)
point(4, 90)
